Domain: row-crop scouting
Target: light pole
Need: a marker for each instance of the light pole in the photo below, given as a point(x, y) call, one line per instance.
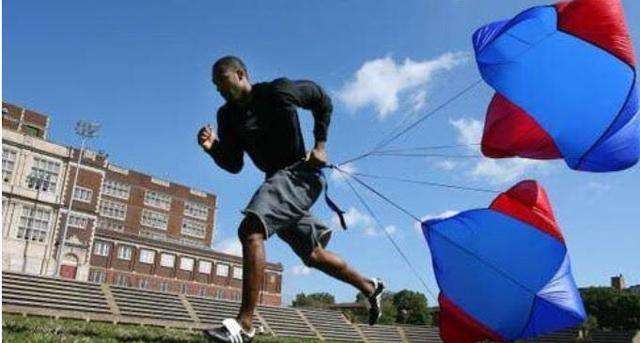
point(86, 131)
point(40, 180)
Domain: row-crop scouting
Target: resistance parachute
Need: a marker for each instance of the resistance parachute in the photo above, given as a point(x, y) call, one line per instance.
point(503, 272)
point(565, 82)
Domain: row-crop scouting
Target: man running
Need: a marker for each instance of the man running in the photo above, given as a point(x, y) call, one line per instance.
point(262, 120)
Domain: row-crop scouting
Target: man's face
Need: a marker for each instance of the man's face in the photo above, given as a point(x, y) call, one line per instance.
point(228, 82)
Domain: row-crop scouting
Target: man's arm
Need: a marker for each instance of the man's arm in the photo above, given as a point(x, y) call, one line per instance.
point(224, 147)
point(310, 96)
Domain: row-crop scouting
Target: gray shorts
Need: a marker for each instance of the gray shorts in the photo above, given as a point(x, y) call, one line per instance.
point(282, 204)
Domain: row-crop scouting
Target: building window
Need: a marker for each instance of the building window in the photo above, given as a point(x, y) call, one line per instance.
point(116, 189)
point(78, 221)
point(83, 194)
point(272, 278)
point(193, 228)
point(186, 263)
point(143, 284)
point(222, 270)
point(202, 292)
point(196, 210)
point(157, 199)
point(113, 209)
point(156, 220)
point(109, 224)
point(32, 130)
point(237, 273)
point(204, 267)
point(147, 256)
point(34, 223)
point(218, 294)
point(9, 157)
point(164, 287)
point(124, 252)
point(101, 248)
point(97, 276)
point(183, 288)
point(167, 260)
point(44, 175)
point(122, 280)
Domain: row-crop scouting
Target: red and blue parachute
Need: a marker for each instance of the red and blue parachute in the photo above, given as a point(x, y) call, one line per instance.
point(503, 272)
point(565, 79)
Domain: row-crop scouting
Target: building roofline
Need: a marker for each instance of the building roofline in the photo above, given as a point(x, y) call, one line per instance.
point(180, 248)
point(134, 172)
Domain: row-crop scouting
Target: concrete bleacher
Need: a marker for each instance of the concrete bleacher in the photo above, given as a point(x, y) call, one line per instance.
point(288, 322)
point(55, 297)
point(59, 298)
point(615, 337)
point(573, 335)
point(149, 305)
point(212, 312)
point(420, 333)
point(332, 325)
point(381, 333)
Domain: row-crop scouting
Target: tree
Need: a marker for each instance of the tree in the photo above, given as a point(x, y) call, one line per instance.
point(612, 309)
point(589, 325)
point(411, 307)
point(314, 300)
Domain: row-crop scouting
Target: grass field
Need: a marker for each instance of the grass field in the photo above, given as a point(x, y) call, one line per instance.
point(39, 330)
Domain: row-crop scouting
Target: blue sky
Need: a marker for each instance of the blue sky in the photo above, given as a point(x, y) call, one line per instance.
point(141, 69)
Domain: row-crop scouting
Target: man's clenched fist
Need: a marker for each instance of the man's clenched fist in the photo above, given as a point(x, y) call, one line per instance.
point(206, 137)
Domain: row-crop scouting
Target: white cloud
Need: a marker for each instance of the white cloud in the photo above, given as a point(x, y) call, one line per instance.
point(372, 232)
point(506, 170)
point(391, 229)
point(446, 165)
point(230, 246)
point(357, 220)
point(469, 131)
point(598, 186)
point(300, 270)
point(380, 82)
point(419, 100)
point(442, 215)
point(495, 170)
point(339, 177)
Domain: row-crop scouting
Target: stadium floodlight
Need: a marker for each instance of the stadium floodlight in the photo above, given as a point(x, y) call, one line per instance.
point(86, 130)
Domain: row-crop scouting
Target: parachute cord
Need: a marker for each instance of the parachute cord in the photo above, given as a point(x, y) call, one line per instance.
point(379, 223)
point(430, 114)
point(428, 183)
point(428, 148)
point(424, 155)
point(414, 124)
point(382, 196)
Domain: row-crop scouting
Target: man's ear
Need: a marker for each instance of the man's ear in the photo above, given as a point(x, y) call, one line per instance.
point(241, 74)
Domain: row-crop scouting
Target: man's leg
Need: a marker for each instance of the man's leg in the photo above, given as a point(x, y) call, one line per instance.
point(251, 235)
point(336, 267)
point(333, 265)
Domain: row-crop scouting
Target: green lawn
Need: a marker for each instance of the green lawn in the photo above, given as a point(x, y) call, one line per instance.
point(38, 329)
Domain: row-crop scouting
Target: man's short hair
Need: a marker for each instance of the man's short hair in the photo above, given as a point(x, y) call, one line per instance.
point(226, 63)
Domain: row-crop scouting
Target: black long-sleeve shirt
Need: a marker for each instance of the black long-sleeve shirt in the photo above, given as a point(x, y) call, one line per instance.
point(267, 128)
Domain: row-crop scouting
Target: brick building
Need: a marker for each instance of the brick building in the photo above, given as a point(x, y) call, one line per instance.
point(126, 227)
point(34, 171)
